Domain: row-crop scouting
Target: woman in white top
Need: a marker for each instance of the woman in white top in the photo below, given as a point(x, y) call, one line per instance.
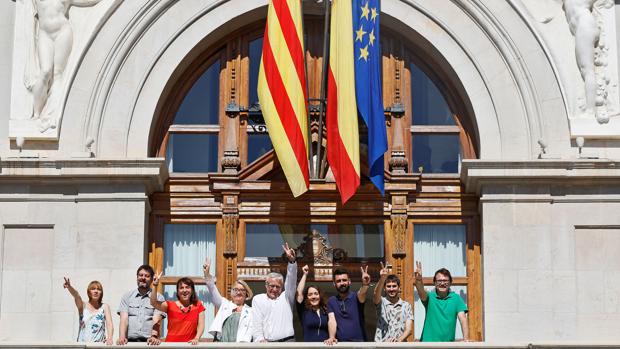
point(95, 317)
point(234, 318)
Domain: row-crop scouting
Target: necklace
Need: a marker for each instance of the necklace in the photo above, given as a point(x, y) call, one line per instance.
point(185, 310)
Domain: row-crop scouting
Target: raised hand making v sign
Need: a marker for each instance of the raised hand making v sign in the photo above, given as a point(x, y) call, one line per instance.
point(186, 317)
point(290, 253)
point(394, 315)
point(273, 311)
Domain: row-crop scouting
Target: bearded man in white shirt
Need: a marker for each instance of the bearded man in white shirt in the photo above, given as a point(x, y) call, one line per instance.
point(273, 311)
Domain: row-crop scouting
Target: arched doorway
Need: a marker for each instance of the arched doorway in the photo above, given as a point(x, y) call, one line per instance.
point(226, 197)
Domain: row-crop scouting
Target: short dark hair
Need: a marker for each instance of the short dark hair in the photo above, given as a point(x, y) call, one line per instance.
point(444, 272)
point(392, 278)
point(146, 268)
point(340, 271)
point(193, 299)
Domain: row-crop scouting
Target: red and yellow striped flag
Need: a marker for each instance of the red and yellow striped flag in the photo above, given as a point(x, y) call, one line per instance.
point(342, 131)
point(282, 90)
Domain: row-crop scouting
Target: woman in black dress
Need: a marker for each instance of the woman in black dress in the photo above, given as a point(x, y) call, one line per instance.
point(312, 310)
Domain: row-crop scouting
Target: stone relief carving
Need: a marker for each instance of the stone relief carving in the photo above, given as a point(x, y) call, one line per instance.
point(48, 53)
point(49, 39)
point(586, 23)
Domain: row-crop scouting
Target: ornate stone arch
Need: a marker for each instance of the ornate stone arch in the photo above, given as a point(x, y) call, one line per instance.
point(500, 68)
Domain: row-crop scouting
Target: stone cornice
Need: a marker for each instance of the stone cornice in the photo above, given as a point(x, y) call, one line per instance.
point(152, 172)
point(477, 173)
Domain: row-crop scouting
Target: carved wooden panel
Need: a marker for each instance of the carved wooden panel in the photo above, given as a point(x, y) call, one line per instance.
point(399, 231)
point(231, 221)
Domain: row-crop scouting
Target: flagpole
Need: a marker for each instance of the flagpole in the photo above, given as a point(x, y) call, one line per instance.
point(324, 72)
point(309, 128)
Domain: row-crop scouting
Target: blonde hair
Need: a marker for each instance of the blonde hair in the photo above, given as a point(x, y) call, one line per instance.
point(92, 285)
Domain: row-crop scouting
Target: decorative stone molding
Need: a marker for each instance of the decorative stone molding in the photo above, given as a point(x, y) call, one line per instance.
point(152, 172)
point(152, 36)
point(476, 173)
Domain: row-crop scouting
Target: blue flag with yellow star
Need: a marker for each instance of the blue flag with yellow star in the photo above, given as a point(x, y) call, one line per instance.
point(368, 89)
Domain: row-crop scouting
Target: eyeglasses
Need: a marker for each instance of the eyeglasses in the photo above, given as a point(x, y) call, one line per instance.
point(238, 290)
point(274, 286)
point(442, 282)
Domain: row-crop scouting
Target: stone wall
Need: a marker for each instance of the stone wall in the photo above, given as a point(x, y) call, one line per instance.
point(68, 222)
point(550, 248)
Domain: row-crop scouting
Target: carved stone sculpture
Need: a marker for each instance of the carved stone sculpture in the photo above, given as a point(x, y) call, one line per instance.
point(586, 24)
point(50, 47)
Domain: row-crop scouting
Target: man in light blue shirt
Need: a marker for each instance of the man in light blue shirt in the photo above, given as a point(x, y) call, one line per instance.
point(140, 322)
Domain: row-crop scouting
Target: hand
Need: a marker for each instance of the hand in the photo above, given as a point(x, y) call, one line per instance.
point(418, 271)
point(121, 341)
point(263, 341)
point(206, 268)
point(305, 269)
point(365, 276)
point(156, 278)
point(290, 253)
point(109, 341)
point(331, 341)
point(194, 341)
point(384, 270)
point(67, 283)
point(153, 341)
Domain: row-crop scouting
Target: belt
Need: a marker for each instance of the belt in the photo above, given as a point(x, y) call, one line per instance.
point(285, 339)
point(141, 339)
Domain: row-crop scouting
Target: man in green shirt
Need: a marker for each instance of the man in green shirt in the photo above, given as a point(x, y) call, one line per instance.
point(442, 306)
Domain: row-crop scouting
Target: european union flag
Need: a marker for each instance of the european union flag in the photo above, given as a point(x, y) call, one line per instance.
point(368, 91)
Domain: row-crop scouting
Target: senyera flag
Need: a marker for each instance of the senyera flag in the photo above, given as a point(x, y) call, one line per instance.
point(355, 61)
point(341, 119)
point(282, 90)
point(368, 89)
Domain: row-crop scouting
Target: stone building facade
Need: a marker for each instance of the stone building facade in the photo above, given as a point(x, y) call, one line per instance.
point(93, 182)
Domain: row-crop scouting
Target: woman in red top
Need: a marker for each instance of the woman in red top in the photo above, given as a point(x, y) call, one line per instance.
point(186, 317)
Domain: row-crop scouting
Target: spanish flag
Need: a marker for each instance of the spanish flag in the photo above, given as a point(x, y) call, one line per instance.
point(282, 91)
point(342, 130)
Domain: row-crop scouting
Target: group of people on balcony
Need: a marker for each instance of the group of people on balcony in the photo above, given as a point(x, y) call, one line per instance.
point(270, 318)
